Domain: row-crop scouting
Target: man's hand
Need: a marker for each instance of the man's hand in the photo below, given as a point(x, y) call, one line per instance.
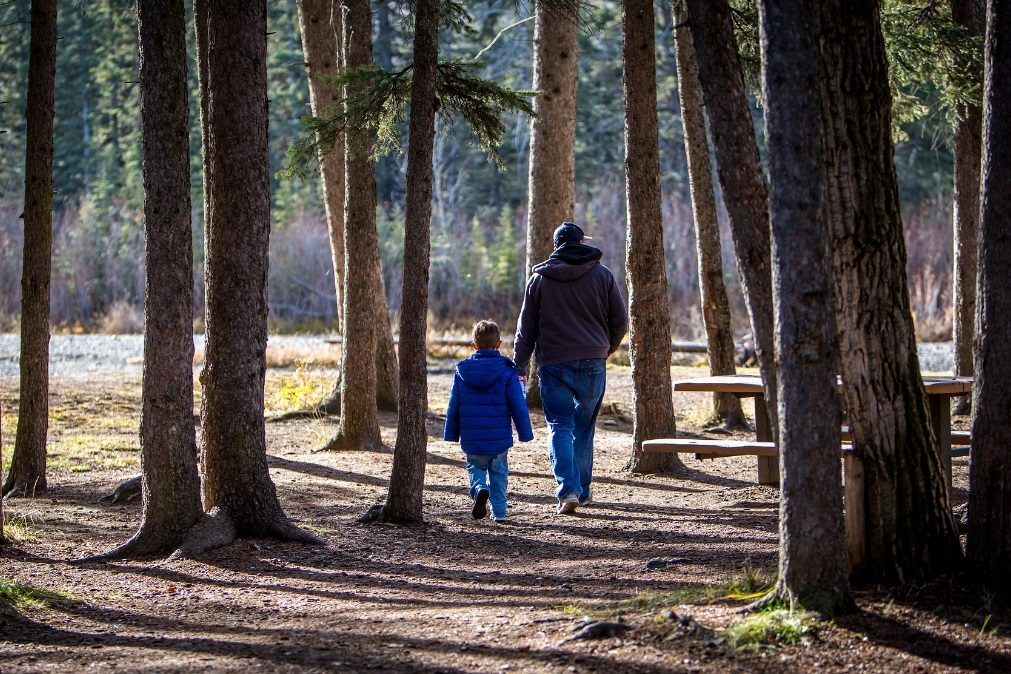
point(523, 379)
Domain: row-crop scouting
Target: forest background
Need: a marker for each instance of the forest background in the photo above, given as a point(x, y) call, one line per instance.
point(479, 210)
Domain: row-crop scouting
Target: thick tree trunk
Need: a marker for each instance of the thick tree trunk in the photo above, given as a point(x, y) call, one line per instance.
point(27, 475)
point(909, 531)
point(320, 23)
point(407, 481)
point(740, 171)
point(649, 318)
point(168, 442)
point(813, 569)
point(237, 480)
point(988, 542)
point(359, 421)
point(552, 172)
point(715, 305)
point(968, 154)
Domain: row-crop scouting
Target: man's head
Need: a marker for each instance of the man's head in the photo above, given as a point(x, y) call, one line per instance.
point(568, 232)
point(486, 335)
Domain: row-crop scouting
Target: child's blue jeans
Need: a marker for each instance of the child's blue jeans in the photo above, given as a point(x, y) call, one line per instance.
point(490, 472)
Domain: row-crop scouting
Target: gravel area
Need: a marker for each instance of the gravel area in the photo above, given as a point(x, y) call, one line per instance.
point(80, 354)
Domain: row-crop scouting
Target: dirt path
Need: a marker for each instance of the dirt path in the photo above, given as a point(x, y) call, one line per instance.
point(454, 595)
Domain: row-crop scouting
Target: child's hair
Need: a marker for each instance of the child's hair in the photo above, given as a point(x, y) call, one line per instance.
point(486, 334)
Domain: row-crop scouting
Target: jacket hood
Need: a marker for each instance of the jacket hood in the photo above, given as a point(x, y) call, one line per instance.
point(569, 262)
point(484, 368)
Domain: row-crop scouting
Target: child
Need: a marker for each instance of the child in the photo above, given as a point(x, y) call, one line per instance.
point(487, 398)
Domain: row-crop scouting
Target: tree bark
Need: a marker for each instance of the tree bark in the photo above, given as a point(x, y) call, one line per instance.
point(968, 154)
point(407, 481)
point(715, 305)
point(988, 542)
point(909, 531)
point(649, 317)
point(320, 24)
point(237, 481)
point(740, 172)
point(359, 418)
point(168, 442)
point(552, 173)
point(813, 569)
point(27, 475)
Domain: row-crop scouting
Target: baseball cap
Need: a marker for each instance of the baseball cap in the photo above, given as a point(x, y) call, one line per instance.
point(568, 232)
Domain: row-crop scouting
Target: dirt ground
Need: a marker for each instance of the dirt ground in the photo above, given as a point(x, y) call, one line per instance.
point(674, 557)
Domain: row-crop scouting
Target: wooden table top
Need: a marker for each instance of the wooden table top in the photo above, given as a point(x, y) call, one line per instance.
point(752, 384)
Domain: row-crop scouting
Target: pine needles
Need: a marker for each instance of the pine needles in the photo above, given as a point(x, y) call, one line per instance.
point(380, 107)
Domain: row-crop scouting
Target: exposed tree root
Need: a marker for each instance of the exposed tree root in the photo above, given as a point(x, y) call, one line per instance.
point(379, 513)
point(341, 443)
point(23, 488)
point(214, 530)
point(144, 544)
point(127, 491)
point(826, 605)
point(217, 529)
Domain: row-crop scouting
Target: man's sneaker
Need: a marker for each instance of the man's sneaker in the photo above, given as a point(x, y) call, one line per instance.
point(568, 504)
point(586, 501)
point(480, 509)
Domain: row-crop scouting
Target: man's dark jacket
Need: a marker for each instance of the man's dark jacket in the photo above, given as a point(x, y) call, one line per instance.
point(572, 309)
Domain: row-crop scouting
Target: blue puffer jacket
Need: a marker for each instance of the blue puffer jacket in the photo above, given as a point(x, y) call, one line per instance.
point(487, 397)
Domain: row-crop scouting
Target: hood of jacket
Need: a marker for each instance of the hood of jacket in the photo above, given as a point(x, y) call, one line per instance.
point(570, 262)
point(484, 368)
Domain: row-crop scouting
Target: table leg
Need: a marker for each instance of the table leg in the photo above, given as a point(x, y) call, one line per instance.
point(855, 542)
point(768, 466)
point(940, 420)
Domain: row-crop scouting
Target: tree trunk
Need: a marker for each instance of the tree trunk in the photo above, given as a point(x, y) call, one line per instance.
point(320, 23)
point(237, 480)
point(715, 305)
point(649, 317)
point(740, 171)
point(359, 418)
point(988, 542)
point(27, 475)
point(813, 569)
point(407, 481)
point(908, 529)
point(552, 172)
point(168, 442)
point(968, 142)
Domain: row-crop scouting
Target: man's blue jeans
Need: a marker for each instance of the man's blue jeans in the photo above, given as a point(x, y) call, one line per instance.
point(571, 394)
point(490, 472)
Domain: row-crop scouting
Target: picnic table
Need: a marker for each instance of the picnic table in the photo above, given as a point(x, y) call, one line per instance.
point(939, 393)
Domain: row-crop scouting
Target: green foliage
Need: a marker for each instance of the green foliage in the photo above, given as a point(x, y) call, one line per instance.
point(16, 597)
point(931, 60)
point(379, 104)
point(772, 627)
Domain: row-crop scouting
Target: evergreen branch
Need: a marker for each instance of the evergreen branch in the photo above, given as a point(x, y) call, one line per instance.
point(379, 106)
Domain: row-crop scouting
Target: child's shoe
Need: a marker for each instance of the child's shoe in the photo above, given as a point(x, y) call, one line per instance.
point(480, 509)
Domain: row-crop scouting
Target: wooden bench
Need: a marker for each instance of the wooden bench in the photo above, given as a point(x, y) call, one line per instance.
point(704, 448)
point(957, 437)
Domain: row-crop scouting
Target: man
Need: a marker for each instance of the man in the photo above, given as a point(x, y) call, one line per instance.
point(573, 318)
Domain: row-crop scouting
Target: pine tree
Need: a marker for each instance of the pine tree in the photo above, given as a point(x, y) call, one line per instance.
point(649, 319)
point(238, 491)
point(27, 475)
point(713, 293)
point(813, 569)
point(988, 542)
point(903, 512)
point(168, 442)
point(740, 172)
point(407, 481)
point(552, 165)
